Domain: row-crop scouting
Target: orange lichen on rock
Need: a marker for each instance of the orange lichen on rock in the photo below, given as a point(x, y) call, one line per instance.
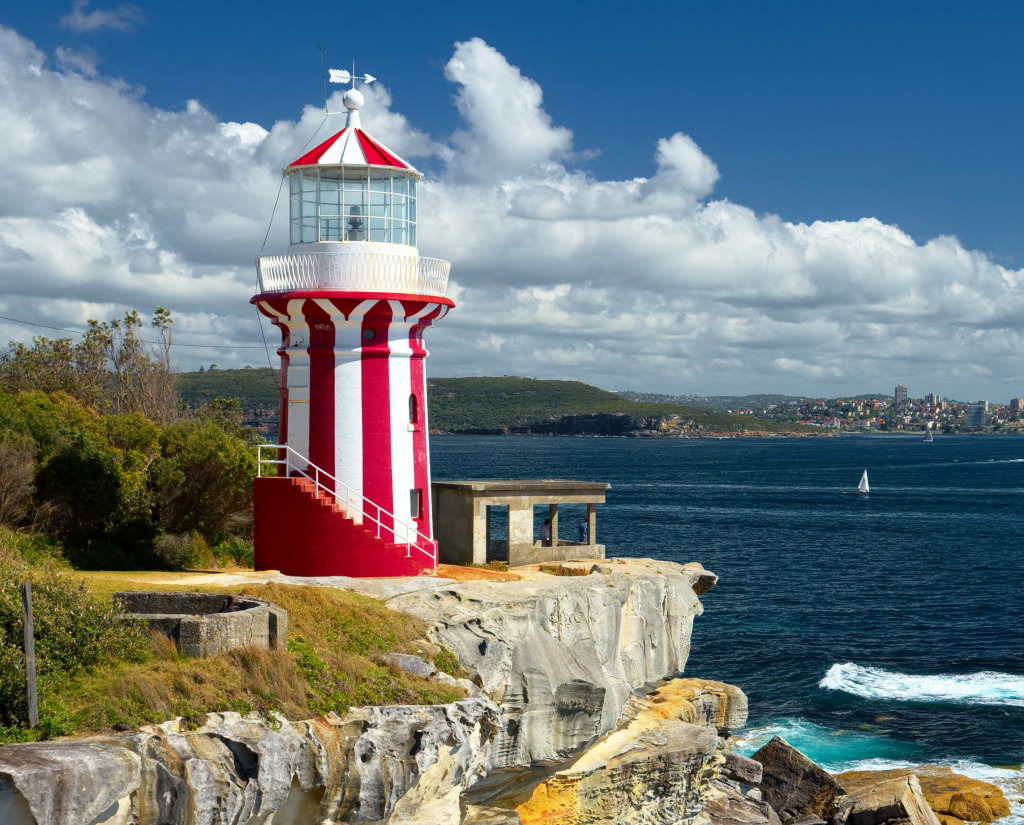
point(954, 798)
point(553, 802)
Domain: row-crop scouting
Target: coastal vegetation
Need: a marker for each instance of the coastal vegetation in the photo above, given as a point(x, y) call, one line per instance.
point(97, 453)
point(508, 404)
point(99, 673)
point(103, 468)
point(527, 405)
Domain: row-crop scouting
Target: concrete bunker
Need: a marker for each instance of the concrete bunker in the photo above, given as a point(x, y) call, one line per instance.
point(469, 531)
point(207, 624)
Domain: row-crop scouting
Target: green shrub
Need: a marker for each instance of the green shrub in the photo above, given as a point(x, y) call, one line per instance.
point(72, 632)
point(235, 551)
point(203, 479)
point(446, 662)
point(186, 551)
point(34, 548)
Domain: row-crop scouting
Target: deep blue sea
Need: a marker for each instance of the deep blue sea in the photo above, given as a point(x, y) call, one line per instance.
point(877, 630)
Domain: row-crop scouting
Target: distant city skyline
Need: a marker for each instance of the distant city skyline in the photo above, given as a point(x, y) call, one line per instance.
point(746, 198)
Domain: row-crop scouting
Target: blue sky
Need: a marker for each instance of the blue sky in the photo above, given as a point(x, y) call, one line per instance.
point(816, 117)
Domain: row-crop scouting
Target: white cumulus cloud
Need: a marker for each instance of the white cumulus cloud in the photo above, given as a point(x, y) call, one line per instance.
point(121, 18)
point(651, 283)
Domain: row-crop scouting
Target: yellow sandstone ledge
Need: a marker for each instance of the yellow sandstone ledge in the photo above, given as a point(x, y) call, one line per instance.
point(954, 798)
point(682, 716)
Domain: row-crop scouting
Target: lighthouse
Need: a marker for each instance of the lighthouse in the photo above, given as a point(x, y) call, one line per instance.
point(352, 298)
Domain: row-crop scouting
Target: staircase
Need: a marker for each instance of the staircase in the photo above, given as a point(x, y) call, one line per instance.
point(302, 530)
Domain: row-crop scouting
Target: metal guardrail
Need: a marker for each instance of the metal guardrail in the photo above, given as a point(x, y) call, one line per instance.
point(356, 504)
point(354, 272)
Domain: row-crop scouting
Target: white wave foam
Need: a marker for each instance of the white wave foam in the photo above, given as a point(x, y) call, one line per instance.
point(985, 688)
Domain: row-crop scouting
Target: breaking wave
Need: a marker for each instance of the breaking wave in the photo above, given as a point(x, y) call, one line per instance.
point(985, 688)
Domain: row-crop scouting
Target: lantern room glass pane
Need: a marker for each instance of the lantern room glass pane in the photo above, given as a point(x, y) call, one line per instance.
point(379, 230)
point(330, 196)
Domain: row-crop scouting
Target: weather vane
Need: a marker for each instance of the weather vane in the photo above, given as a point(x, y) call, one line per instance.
point(341, 76)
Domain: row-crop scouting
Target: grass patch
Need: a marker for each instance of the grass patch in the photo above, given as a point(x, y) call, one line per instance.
point(333, 661)
point(497, 566)
point(559, 569)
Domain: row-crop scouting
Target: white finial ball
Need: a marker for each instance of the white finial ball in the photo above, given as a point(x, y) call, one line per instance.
point(353, 99)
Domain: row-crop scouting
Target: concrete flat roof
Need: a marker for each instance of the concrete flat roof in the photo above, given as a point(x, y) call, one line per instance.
point(527, 487)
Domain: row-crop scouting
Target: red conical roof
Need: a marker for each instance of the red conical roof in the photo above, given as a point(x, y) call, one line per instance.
point(352, 147)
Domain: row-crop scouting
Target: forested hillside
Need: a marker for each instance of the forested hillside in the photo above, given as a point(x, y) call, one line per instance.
point(528, 405)
point(507, 404)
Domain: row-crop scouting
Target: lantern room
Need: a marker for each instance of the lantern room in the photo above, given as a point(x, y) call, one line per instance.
point(351, 188)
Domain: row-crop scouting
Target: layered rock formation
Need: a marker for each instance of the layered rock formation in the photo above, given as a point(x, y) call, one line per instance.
point(655, 767)
point(394, 764)
point(578, 716)
point(563, 654)
point(560, 656)
point(953, 798)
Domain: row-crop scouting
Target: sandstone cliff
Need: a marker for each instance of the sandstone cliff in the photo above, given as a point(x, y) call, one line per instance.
point(579, 715)
point(557, 663)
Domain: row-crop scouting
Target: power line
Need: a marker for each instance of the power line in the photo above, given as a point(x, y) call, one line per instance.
point(160, 343)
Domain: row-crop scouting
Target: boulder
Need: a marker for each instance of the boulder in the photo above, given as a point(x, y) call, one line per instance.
point(742, 769)
point(727, 805)
point(408, 663)
point(879, 797)
point(796, 787)
point(952, 795)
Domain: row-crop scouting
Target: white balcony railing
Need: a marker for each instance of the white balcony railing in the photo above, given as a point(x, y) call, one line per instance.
point(353, 272)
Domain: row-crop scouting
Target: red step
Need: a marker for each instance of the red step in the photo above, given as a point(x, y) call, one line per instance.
point(302, 534)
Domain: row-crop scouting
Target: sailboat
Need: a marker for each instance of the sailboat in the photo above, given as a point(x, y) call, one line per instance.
point(863, 488)
point(928, 436)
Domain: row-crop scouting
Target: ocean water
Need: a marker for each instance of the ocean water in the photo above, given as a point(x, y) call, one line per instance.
point(869, 631)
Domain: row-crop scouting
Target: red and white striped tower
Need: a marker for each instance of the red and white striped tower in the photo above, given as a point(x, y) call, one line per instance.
point(352, 299)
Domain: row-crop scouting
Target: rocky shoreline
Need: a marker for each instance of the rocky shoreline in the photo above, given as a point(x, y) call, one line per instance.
point(578, 714)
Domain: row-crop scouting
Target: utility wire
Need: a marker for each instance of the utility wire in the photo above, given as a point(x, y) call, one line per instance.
point(141, 340)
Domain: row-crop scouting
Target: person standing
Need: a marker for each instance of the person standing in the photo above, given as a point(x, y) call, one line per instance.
point(545, 532)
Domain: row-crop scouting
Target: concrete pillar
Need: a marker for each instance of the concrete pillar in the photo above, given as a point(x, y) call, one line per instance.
point(520, 526)
point(553, 515)
point(480, 528)
point(490, 538)
point(591, 524)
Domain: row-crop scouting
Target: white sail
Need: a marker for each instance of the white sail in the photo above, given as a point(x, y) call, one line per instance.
point(863, 486)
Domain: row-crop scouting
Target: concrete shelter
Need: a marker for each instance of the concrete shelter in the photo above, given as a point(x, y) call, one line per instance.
point(463, 519)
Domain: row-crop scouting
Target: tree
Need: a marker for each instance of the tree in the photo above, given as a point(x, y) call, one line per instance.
point(112, 368)
point(204, 480)
point(138, 379)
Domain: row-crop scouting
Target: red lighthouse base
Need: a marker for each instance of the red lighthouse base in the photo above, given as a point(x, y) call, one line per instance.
point(301, 534)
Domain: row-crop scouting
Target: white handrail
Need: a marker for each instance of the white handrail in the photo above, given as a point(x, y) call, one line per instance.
point(384, 272)
point(354, 502)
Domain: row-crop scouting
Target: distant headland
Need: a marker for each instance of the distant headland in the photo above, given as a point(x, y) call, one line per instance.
point(512, 405)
